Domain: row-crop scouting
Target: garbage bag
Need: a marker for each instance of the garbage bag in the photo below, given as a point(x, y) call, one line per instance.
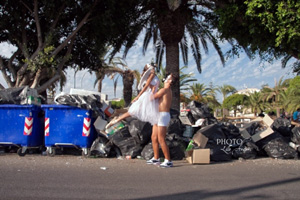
point(283, 126)
point(213, 132)
point(174, 113)
point(253, 127)
point(219, 152)
point(88, 102)
point(126, 143)
point(147, 152)
point(296, 135)
point(230, 130)
point(99, 147)
point(199, 110)
point(278, 148)
point(17, 95)
point(247, 150)
point(176, 146)
point(140, 130)
point(175, 126)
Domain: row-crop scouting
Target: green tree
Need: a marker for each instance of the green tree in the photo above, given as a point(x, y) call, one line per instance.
point(273, 95)
point(75, 30)
point(255, 103)
point(199, 92)
point(225, 90)
point(267, 27)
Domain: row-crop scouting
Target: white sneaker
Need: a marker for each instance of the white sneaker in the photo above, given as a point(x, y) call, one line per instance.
point(166, 164)
point(153, 161)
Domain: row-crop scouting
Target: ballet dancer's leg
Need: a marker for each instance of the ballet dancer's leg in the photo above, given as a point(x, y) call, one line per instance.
point(118, 119)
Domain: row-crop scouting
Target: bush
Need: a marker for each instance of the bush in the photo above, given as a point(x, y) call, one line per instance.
point(117, 104)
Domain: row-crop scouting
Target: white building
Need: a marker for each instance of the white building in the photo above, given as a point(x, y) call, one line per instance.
point(246, 112)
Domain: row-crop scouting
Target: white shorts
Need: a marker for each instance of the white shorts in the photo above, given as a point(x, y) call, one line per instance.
point(163, 119)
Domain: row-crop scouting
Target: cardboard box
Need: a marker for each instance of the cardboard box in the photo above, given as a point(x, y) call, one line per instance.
point(266, 122)
point(200, 140)
point(185, 120)
point(100, 123)
point(198, 156)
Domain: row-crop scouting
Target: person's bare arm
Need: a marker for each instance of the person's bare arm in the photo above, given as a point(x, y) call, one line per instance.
point(151, 76)
point(159, 94)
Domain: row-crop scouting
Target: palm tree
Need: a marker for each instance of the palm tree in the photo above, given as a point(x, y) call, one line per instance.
point(290, 100)
point(212, 100)
point(225, 90)
point(170, 25)
point(185, 79)
point(199, 92)
point(255, 103)
point(274, 96)
point(115, 67)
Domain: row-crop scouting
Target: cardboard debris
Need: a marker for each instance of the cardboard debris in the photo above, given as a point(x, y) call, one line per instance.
point(200, 140)
point(100, 124)
point(201, 155)
point(266, 122)
point(198, 156)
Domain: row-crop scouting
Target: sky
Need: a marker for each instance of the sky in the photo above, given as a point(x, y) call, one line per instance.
point(240, 72)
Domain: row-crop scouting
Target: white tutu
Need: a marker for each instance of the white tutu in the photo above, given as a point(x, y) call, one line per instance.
point(145, 109)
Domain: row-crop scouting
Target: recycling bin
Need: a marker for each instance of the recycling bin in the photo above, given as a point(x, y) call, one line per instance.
point(68, 126)
point(22, 126)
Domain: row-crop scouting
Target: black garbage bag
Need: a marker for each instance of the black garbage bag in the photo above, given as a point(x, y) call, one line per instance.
point(88, 102)
point(175, 126)
point(279, 148)
point(199, 110)
point(147, 152)
point(283, 126)
point(213, 132)
point(17, 95)
point(211, 120)
point(100, 148)
point(174, 113)
point(247, 150)
point(219, 152)
point(140, 131)
point(296, 135)
point(253, 127)
point(126, 143)
point(230, 130)
point(176, 146)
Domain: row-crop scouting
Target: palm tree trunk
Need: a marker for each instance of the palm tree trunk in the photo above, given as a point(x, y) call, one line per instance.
point(172, 62)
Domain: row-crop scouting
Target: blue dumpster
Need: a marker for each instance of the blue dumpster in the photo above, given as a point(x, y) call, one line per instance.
point(21, 126)
point(68, 126)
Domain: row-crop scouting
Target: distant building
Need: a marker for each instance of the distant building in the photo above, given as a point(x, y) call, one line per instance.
point(247, 91)
point(245, 112)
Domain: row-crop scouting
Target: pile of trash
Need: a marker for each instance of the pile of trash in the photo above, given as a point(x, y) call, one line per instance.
point(261, 137)
point(193, 132)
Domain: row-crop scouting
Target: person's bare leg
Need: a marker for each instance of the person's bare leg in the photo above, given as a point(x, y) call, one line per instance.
point(154, 139)
point(114, 121)
point(162, 131)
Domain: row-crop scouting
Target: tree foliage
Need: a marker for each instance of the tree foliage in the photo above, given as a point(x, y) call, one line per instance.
point(56, 35)
point(267, 27)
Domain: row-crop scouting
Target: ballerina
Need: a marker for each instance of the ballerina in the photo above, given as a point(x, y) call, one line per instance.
point(143, 106)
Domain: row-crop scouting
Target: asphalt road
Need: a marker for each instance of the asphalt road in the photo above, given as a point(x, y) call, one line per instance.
point(36, 176)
